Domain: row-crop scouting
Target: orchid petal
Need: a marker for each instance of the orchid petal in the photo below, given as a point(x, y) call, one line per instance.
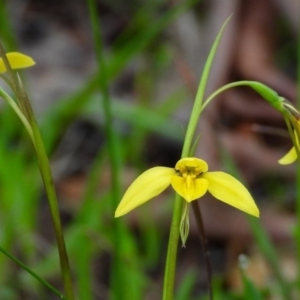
point(17, 61)
point(148, 185)
point(191, 162)
point(226, 188)
point(188, 188)
point(289, 158)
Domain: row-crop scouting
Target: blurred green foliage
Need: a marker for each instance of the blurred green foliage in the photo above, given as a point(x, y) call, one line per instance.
point(24, 218)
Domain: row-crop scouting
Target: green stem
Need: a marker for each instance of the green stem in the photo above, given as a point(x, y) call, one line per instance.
point(50, 190)
point(170, 268)
point(45, 170)
point(46, 174)
point(18, 112)
point(26, 115)
point(41, 280)
point(198, 103)
point(267, 93)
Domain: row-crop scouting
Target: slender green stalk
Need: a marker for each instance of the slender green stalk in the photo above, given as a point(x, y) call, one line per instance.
point(41, 280)
point(7, 32)
point(25, 113)
point(198, 103)
point(170, 268)
point(45, 170)
point(18, 112)
point(268, 94)
point(118, 285)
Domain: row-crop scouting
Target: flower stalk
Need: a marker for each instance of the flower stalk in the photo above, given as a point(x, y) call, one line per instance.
point(170, 268)
point(24, 111)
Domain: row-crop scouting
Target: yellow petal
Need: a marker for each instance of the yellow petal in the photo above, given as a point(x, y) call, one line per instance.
point(17, 61)
point(188, 188)
point(289, 158)
point(148, 185)
point(191, 162)
point(226, 188)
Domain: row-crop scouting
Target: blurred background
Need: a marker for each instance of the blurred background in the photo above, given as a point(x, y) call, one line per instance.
point(155, 52)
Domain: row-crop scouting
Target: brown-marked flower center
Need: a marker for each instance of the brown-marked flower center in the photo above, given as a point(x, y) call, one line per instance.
point(189, 174)
point(190, 168)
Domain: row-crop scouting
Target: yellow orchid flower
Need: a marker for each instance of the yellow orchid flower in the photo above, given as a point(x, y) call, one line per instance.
point(292, 118)
point(16, 60)
point(289, 158)
point(190, 180)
